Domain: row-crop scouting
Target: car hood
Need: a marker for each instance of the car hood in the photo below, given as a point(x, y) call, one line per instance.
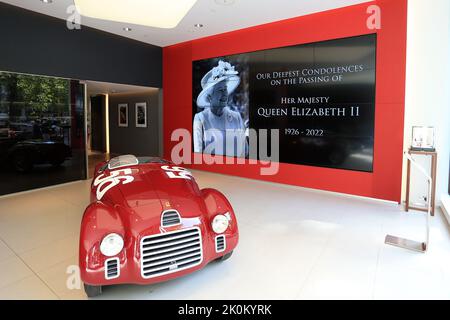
point(152, 191)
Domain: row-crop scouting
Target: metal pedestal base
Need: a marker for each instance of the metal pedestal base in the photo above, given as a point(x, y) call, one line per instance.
point(406, 244)
point(410, 244)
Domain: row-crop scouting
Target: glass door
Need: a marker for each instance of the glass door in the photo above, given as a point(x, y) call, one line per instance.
point(42, 132)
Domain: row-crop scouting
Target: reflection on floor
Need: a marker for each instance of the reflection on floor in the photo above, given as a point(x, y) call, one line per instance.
point(294, 244)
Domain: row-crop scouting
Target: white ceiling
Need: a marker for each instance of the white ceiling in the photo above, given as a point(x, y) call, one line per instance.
point(216, 18)
point(96, 87)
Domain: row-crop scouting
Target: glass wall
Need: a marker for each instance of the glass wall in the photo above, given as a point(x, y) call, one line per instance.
point(41, 132)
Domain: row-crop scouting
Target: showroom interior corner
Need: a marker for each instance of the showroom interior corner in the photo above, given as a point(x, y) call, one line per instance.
point(148, 147)
point(106, 138)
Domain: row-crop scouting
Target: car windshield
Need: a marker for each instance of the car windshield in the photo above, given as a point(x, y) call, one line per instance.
point(130, 160)
point(122, 161)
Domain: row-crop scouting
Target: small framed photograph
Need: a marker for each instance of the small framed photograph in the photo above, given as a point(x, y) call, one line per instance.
point(141, 115)
point(423, 139)
point(123, 114)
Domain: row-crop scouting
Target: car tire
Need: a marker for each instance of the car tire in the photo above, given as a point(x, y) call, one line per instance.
point(57, 163)
point(22, 162)
point(225, 257)
point(92, 291)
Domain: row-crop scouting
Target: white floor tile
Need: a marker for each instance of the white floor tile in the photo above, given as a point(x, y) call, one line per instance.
point(57, 277)
point(30, 288)
point(52, 253)
point(5, 251)
point(405, 274)
point(347, 267)
point(294, 244)
point(40, 227)
point(12, 270)
point(76, 193)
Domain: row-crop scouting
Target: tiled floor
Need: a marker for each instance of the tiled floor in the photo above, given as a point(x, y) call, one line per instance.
point(294, 244)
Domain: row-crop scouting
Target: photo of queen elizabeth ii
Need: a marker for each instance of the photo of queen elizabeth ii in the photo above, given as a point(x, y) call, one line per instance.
point(219, 127)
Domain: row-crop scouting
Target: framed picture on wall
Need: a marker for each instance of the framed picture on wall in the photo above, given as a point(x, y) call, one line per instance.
point(123, 115)
point(141, 115)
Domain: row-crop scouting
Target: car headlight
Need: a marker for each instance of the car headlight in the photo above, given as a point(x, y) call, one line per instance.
point(111, 245)
point(220, 223)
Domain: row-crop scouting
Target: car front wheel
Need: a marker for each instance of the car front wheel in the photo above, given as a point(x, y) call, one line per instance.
point(92, 291)
point(225, 257)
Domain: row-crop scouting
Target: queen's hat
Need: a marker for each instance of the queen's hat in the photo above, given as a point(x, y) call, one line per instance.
point(223, 72)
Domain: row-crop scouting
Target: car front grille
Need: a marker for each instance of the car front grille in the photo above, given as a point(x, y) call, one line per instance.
point(112, 268)
point(170, 252)
point(170, 218)
point(220, 243)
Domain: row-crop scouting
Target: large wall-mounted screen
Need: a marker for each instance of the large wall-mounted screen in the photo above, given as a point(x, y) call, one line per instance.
point(320, 96)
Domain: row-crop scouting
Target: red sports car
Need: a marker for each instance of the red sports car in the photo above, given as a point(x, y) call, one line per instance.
point(148, 222)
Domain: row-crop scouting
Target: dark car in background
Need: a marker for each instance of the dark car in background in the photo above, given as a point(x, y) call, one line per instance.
point(23, 154)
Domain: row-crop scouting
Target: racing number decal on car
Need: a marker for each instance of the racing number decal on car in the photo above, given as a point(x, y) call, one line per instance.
point(177, 172)
point(104, 184)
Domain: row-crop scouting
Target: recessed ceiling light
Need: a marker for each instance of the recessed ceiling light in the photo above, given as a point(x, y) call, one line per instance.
point(198, 25)
point(150, 13)
point(127, 29)
point(47, 1)
point(225, 2)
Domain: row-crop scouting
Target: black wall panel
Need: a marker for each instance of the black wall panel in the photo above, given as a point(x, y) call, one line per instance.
point(38, 44)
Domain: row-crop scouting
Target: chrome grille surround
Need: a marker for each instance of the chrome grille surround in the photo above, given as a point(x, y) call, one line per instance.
point(170, 252)
point(112, 268)
point(221, 243)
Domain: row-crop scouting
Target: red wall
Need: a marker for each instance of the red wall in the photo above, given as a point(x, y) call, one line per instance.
point(385, 181)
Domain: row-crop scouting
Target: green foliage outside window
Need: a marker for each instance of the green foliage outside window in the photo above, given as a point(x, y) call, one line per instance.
point(38, 95)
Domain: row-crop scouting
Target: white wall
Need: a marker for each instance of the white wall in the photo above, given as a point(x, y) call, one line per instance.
point(428, 84)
